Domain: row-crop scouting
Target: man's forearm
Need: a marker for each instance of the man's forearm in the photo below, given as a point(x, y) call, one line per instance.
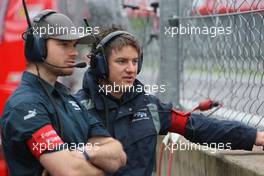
point(200, 129)
point(85, 166)
point(68, 163)
point(108, 155)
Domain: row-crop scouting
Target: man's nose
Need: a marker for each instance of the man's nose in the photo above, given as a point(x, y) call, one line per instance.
point(131, 67)
point(74, 52)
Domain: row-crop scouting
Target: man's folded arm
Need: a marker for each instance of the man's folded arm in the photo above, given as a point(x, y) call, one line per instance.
point(65, 163)
point(106, 154)
point(47, 146)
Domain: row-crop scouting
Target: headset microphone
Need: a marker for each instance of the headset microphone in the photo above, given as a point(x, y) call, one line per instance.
point(79, 65)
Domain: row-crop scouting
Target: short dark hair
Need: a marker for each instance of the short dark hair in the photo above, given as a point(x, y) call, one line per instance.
point(116, 43)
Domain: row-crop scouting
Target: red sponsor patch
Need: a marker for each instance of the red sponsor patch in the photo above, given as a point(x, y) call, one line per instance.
point(46, 138)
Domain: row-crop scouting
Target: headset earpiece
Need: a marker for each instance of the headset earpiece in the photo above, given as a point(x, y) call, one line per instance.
point(99, 65)
point(35, 46)
point(140, 61)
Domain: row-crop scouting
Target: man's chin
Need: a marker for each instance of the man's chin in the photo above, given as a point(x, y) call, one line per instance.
point(66, 73)
point(127, 85)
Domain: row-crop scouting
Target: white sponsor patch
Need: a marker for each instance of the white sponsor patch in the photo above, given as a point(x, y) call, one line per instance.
point(138, 116)
point(75, 105)
point(30, 114)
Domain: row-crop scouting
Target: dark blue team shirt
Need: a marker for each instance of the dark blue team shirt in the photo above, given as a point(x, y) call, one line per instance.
point(137, 118)
point(29, 108)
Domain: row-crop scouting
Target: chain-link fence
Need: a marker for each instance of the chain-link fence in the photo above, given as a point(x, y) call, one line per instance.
point(144, 24)
point(141, 22)
point(221, 56)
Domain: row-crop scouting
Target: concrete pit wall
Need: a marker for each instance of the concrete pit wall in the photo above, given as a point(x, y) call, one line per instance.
point(213, 162)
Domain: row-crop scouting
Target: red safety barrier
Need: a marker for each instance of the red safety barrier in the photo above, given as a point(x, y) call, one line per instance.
point(207, 7)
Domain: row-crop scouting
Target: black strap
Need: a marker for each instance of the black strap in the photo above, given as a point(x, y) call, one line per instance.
point(46, 13)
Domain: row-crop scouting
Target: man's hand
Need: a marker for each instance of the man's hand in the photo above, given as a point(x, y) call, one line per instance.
point(108, 155)
point(259, 138)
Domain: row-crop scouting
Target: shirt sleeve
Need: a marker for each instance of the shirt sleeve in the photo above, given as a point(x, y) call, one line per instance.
point(21, 122)
point(24, 119)
point(201, 129)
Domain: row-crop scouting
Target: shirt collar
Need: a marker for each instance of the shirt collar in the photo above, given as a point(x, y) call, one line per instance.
point(36, 82)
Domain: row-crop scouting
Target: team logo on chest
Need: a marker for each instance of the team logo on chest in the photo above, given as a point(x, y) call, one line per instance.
point(75, 105)
point(138, 116)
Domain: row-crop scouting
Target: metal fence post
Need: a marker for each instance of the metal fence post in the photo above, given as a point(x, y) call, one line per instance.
point(169, 67)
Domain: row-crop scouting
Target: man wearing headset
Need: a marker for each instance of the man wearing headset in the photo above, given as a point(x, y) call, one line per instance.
point(136, 118)
point(43, 127)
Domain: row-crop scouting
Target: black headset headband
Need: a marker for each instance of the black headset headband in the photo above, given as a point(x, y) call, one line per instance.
point(41, 16)
point(110, 36)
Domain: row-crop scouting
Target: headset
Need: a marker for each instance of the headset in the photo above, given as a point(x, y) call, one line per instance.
point(98, 60)
point(35, 46)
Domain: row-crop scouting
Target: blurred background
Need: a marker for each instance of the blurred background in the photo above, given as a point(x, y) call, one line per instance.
point(227, 68)
point(140, 17)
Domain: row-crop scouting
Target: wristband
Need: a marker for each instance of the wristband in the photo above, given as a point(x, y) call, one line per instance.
point(86, 156)
point(85, 153)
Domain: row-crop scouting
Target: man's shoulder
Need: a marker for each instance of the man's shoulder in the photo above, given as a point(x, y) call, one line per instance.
point(23, 99)
point(152, 99)
point(25, 95)
point(84, 98)
point(81, 95)
point(147, 98)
